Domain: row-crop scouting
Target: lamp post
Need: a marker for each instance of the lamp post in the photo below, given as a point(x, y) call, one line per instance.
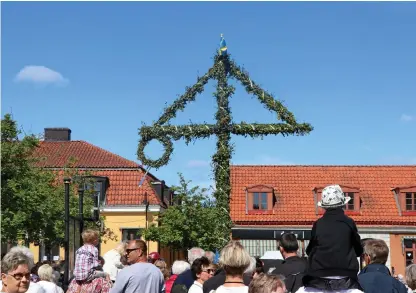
point(81, 212)
point(67, 181)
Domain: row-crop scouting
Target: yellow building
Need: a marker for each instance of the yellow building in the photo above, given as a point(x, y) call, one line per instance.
point(129, 201)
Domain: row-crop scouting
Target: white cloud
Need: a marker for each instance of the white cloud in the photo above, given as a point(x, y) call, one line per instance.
point(198, 164)
point(40, 75)
point(406, 118)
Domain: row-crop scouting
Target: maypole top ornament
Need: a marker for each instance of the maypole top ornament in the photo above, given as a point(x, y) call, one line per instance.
point(223, 46)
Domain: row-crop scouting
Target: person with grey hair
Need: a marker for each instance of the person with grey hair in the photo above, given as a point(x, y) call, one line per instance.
point(25, 257)
point(411, 277)
point(186, 279)
point(178, 267)
point(210, 256)
point(46, 276)
point(376, 277)
point(15, 272)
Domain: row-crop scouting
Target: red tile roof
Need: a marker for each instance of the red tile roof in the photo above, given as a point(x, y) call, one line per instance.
point(56, 154)
point(293, 187)
point(124, 175)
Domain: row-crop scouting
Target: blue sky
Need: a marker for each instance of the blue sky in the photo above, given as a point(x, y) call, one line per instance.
point(347, 68)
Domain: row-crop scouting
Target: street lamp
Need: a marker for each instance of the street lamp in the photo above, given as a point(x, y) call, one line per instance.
point(67, 181)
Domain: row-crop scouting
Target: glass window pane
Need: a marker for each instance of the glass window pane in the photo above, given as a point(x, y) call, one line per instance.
point(256, 204)
point(264, 201)
point(131, 234)
point(408, 243)
point(409, 207)
point(409, 258)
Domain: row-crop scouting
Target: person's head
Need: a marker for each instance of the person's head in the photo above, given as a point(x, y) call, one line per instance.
point(288, 245)
point(161, 264)
point(153, 257)
point(45, 273)
point(90, 236)
point(411, 276)
point(35, 268)
point(121, 248)
point(179, 266)
point(234, 259)
point(195, 253)
point(210, 256)
point(136, 251)
point(251, 269)
point(15, 271)
point(259, 267)
point(376, 251)
point(333, 197)
point(200, 269)
point(267, 284)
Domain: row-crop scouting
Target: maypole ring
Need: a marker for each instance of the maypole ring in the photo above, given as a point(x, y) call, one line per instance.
point(162, 161)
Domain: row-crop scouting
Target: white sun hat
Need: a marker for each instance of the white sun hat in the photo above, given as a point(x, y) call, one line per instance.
point(333, 197)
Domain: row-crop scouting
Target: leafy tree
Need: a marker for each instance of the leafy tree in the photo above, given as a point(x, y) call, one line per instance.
point(192, 221)
point(26, 192)
point(32, 198)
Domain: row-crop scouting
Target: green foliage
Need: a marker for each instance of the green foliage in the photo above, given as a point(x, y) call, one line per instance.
point(223, 68)
point(32, 198)
point(193, 221)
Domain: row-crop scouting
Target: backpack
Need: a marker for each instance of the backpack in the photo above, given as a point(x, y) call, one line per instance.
point(179, 288)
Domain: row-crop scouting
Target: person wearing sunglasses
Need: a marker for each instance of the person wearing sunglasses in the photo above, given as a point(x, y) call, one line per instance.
point(15, 272)
point(139, 276)
point(201, 271)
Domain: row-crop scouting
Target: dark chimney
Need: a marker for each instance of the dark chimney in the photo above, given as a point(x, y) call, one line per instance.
point(57, 134)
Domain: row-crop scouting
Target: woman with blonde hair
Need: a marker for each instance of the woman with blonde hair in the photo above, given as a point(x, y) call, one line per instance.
point(161, 264)
point(47, 281)
point(264, 283)
point(234, 259)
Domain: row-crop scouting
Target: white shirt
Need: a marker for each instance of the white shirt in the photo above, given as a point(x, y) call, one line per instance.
point(196, 288)
point(112, 264)
point(313, 290)
point(50, 287)
point(222, 289)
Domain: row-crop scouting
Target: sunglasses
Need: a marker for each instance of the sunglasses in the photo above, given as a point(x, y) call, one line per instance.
point(130, 250)
point(209, 271)
point(20, 276)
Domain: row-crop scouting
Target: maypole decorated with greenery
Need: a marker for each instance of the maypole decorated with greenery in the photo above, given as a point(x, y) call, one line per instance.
point(223, 69)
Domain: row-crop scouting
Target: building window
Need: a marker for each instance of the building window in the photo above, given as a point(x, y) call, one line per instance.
point(405, 196)
point(260, 199)
point(131, 234)
point(410, 201)
point(352, 207)
point(98, 186)
point(410, 251)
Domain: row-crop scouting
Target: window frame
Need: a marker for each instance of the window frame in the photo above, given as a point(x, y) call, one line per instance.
point(401, 193)
point(259, 191)
point(139, 229)
point(105, 183)
point(353, 192)
point(411, 249)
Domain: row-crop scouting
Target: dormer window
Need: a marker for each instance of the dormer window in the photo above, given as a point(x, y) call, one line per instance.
point(411, 201)
point(351, 208)
point(259, 199)
point(406, 199)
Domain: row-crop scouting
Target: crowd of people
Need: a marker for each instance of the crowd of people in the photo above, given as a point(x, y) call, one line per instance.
point(331, 265)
